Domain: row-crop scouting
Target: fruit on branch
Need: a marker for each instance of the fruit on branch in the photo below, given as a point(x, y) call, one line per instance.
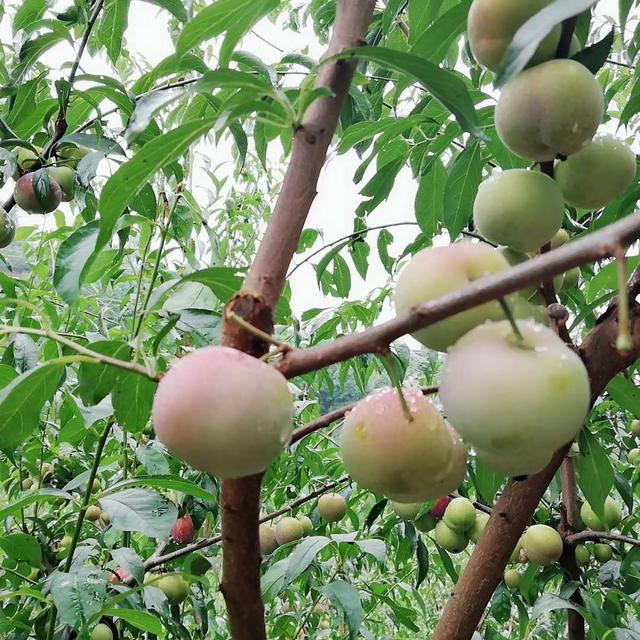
point(268, 542)
point(71, 154)
point(120, 574)
point(542, 544)
point(93, 513)
point(104, 516)
point(288, 530)
point(508, 397)
point(448, 539)
point(101, 632)
point(26, 158)
point(512, 579)
point(460, 515)
point(66, 178)
point(518, 462)
point(405, 460)
point(201, 412)
point(518, 208)
point(37, 192)
point(478, 526)
point(567, 280)
point(582, 555)
point(7, 228)
point(612, 516)
point(560, 238)
point(514, 257)
point(332, 507)
point(602, 552)
point(492, 24)
point(65, 542)
point(26, 483)
point(425, 523)
point(553, 108)
point(406, 511)
point(183, 531)
point(438, 509)
point(307, 524)
point(436, 271)
point(597, 174)
point(633, 456)
point(174, 587)
point(634, 427)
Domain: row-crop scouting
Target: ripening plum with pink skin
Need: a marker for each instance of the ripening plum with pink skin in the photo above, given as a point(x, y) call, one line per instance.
point(224, 412)
point(183, 531)
point(437, 271)
point(27, 198)
point(452, 477)
point(438, 509)
point(386, 453)
point(553, 108)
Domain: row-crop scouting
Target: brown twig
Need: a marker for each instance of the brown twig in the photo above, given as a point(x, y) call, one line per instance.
point(594, 536)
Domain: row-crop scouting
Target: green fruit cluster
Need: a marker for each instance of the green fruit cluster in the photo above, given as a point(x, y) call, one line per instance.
point(460, 525)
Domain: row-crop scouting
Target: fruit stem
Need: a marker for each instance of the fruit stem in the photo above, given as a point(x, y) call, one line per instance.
point(395, 380)
point(258, 333)
point(511, 319)
point(624, 342)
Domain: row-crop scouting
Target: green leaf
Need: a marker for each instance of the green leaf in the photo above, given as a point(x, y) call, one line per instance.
point(128, 559)
point(74, 260)
point(429, 203)
point(303, 555)
point(132, 176)
point(112, 26)
point(142, 620)
point(626, 394)
point(223, 281)
point(164, 482)
point(596, 55)
point(79, 595)
point(138, 510)
point(29, 12)
point(96, 381)
point(422, 555)
point(346, 596)
point(374, 547)
point(461, 189)
point(22, 547)
point(21, 402)
point(445, 86)
point(29, 497)
point(175, 7)
point(551, 602)
point(533, 32)
point(132, 397)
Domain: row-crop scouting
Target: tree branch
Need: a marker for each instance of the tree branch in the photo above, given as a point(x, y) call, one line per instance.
point(595, 536)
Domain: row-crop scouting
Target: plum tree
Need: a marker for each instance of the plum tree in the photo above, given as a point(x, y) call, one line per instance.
point(174, 587)
point(93, 513)
point(460, 515)
point(383, 451)
point(406, 511)
point(512, 579)
point(602, 553)
point(518, 208)
point(542, 544)
point(597, 174)
point(307, 524)
point(288, 530)
point(491, 384)
point(491, 25)
point(612, 515)
point(449, 539)
point(478, 526)
point(268, 542)
point(582, 555)
point(332, 507)
point(37, 193)
point(553, 108)
point(203, 417)
point(101, 632)
point(435, 271)
point(7, 228)
point(183, 531)
point(66, 178)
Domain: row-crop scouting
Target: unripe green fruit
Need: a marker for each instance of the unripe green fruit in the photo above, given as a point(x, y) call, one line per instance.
point(26, 484)
point(332, 507)
point(478, 526)
point(268, 542)
point(406, 511)
point(515, 462)
point(602, 553)
point(633, 456)
point(65, 543)
point(492, 24)
point(425, 523)
point(66, 178)
point(567, 280)
point(307, 524)
point(518, 208)
point(514, 257)
point(46, 470)
point(597, 174)
point(7, 228)
point(448, 539)
point(72, 155)
point(175, 587)
point(634, 427)
point(512, 579)
point(436, 271)
point(288, 530)
point(612, 515)
point(542, 545)
point(101, 632)
point(104, 516)
point(582, 555)
point(561, 237)
point(491, 385)
point(93, 513)
point(50, 194)
point(383, 451)
point(201, 412)
point(34, 573)
point(553, 108)
point(460, 515)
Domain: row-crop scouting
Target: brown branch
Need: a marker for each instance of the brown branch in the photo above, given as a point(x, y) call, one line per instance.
point(600, 244)
point(595, 536)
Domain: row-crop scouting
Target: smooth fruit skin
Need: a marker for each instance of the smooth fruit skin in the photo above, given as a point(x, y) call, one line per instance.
point(582, 555)
point(460, 515)
point(633, 455)
point(183, 531)
point(612, 515)
point(307, 524)
point(288, 530)
point(406, 511)
point(553, 108)
point(436, 271)
point(386, 453)
point(93, 513)
point(634, 427)
point(203, 415)
point(268, 542)
point(542, 545)
point(450, 540)
point(101, 632)
point(512, 579)
point(332, 507)
point(597, 174)
point(478, 526)
point(175, 587)
point(518, 208)
point(119, 575)
point(491, 385)
point(602, 553)
point(26, 198)
point(66, 178)
point(492, 24)
point(7, 228)
point(425, 523)
point(515, 462)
